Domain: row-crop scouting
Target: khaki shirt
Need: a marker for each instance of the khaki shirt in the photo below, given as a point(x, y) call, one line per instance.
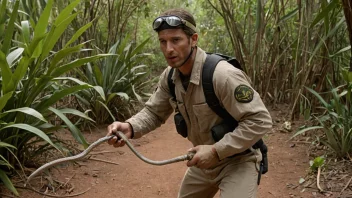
point(253, 117)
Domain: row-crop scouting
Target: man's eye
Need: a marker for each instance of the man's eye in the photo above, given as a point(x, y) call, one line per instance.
point(176, 40)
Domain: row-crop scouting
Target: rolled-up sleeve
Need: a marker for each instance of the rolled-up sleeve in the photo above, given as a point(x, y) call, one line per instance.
point(253, 117)
point(156, 111)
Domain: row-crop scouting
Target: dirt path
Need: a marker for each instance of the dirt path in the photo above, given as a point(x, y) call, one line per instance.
point(132, 178)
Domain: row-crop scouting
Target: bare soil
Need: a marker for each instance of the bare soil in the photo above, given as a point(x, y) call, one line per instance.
point(129, 177)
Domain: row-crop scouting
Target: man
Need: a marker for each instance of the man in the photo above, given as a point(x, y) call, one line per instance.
point(216, 165)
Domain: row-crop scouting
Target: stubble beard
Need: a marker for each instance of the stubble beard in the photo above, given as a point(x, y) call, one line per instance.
point(178, 65)
point(183, 62)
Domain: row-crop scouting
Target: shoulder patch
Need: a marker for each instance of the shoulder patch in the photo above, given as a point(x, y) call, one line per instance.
point(244, 94)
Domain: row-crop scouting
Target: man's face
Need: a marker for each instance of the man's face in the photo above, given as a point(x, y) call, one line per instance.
point(175, 45)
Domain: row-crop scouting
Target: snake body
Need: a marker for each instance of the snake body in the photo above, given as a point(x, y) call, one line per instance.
point(80, 156)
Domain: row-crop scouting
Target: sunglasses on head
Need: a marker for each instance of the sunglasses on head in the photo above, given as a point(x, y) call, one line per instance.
point(173, 21)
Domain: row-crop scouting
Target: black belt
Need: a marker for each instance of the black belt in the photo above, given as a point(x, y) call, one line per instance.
point(242, 153)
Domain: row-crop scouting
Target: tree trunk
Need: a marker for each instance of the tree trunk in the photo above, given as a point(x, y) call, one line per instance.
point(347, 8)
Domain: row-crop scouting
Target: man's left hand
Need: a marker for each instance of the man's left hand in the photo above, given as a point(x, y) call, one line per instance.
point(205, 157)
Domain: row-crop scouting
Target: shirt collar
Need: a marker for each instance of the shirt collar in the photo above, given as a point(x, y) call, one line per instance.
point(196, 69)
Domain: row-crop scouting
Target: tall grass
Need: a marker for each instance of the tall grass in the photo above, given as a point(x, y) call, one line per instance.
point(336, 119)
point(286, 45)
point(119, 79)
point(30, 79)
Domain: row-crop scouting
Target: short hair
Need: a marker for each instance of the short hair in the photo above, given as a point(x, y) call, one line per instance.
point(183, 14)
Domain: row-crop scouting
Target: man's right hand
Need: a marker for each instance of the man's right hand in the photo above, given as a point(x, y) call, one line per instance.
point(124, 127)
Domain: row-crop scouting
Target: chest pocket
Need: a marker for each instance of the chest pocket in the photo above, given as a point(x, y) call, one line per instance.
point(205, 116)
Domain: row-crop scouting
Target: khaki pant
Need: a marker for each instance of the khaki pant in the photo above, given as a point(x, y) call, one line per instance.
point(236, 178)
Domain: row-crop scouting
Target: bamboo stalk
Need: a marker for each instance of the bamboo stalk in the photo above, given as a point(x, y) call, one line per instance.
point(347, 8)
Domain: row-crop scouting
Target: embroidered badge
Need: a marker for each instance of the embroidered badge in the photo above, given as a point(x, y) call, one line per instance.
point(244, 94)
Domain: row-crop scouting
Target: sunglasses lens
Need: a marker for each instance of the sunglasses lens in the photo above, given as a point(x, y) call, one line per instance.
point(157, 23)
point(173, 21)
point(170, 20)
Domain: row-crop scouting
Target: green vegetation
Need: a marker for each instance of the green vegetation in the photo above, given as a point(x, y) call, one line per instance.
point(335, 118)
point(115, 79)
point(316, 163)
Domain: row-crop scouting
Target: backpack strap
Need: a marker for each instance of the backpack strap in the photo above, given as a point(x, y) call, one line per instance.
point(233, 61)
point(171, 84)
point(207, 81)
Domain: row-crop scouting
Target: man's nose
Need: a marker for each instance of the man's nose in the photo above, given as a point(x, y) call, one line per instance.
point(169, 47)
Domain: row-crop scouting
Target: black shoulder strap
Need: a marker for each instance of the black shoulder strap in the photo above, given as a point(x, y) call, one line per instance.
point(207, 80)
point(171, 84)
point(233, 61)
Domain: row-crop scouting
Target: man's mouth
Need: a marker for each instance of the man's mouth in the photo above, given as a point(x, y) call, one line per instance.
point(172, 58)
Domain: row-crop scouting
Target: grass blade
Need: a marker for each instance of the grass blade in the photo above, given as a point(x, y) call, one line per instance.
point(14, 55)
point(98, 89)
point(28, 111)
point(40, 28)
point(9, 29)
point(59, 95)
point(4, 99)
point(77, 113)
point(32, 129)
point(79, 33)
point(7, 182)
point(7, 83)
point(321, 99)
point(73, 129)
point(77, 63)
point(325, 12)
point(305, 130)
